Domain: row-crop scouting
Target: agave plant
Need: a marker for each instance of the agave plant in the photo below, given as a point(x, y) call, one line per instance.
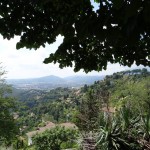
point(110, 137)
point(146, 127)
point(119, 133)
point(144, 131)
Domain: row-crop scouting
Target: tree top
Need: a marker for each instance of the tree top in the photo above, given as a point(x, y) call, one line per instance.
point(117, 32)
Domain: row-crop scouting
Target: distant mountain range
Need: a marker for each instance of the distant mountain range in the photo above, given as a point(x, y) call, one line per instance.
point(49, 82)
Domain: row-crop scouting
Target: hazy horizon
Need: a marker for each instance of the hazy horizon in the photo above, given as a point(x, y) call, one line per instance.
point(74, 75)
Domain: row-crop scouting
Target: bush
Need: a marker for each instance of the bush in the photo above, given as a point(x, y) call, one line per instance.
point(56, 139)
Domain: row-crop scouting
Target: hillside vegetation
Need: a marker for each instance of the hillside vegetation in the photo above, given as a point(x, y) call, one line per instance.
point(116, 110)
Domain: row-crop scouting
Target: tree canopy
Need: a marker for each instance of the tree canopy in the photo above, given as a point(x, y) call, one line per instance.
point(8, 126)
point(117, 32)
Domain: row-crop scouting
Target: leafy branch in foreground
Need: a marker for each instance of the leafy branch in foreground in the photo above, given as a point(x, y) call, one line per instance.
point(117, 32)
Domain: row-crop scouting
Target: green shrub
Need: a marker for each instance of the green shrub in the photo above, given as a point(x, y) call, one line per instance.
point(56, 139)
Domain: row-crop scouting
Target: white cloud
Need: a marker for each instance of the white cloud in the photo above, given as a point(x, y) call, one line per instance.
point(26, 63)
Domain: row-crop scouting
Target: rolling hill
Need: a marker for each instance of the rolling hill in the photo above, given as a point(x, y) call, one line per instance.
point(49, 82)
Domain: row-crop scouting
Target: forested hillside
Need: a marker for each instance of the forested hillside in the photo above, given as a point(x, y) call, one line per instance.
point(59, 104)
point(123, 93)
point(36, 106)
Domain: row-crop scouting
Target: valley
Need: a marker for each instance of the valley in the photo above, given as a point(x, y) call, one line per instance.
point(51, 82)
point(115, 101)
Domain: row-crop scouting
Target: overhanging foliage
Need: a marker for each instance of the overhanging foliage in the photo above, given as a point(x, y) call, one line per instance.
point(119, 31)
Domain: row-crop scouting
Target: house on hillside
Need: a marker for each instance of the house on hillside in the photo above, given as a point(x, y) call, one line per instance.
point(48, 126)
